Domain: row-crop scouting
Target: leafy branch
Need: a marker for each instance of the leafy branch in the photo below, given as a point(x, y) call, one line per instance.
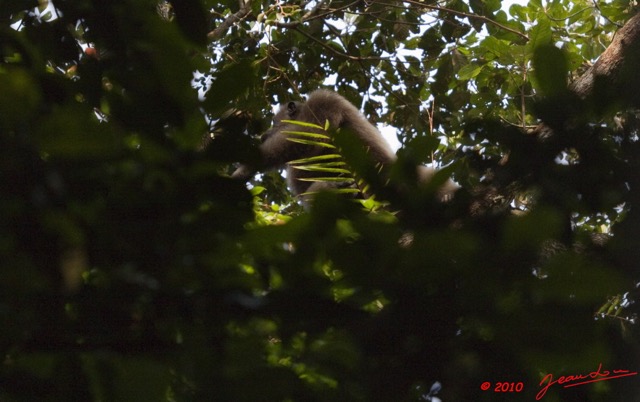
point(482, 18)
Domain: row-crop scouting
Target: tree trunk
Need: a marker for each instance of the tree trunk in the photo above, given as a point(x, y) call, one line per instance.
point(613, 82)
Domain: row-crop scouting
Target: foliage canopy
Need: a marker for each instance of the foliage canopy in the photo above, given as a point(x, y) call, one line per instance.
point(134, 268)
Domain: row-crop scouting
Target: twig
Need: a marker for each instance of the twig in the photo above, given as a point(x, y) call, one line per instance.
point(312, 15)
point(470, 16)
point(341, 54)
point(245, 10)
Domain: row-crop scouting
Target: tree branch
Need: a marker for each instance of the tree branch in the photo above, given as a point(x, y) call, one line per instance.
point(334, 51)
point(470, 16)
point(313, 14)
point(612, 82)
point(614, 76)
point(220, 30)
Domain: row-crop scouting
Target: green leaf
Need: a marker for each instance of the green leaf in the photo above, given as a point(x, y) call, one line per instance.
point(316, 158)
point(8, 7)
point(226, 86)
point(539, 35)
point(316, 168)
point(310, 142)
point(334, 179)
point(307, 134)
point(518, 11)
point(550, 69)
point(305, 124)
point(500, 48)
point(191, 17)
point(469, 71)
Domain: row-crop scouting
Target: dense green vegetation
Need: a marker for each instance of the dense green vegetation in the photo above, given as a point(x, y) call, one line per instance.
point(134, 268)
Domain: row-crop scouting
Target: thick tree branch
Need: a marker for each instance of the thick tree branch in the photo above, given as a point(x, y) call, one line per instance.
point(612, 83)
point(614, 79)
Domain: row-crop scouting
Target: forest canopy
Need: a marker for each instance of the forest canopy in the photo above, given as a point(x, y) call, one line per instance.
point(135, 268)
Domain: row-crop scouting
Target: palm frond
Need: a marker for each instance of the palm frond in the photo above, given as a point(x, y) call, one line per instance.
point(305, 124)
point(334, 179)
point(311, 159)
point(323, 168)
point(333, 167)
point(318, 136)
point(312, 142)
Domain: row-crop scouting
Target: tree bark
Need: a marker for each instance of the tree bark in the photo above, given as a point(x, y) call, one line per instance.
point(611, 85)
point(613, 82)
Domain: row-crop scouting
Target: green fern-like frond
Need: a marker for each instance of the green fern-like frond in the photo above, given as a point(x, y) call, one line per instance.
point(314, 159)
point(312, 136)
point(338, 173)
point(333, 165)
point(333, 179)
point(311, 142)
point(306, 124)
point(312, 139)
